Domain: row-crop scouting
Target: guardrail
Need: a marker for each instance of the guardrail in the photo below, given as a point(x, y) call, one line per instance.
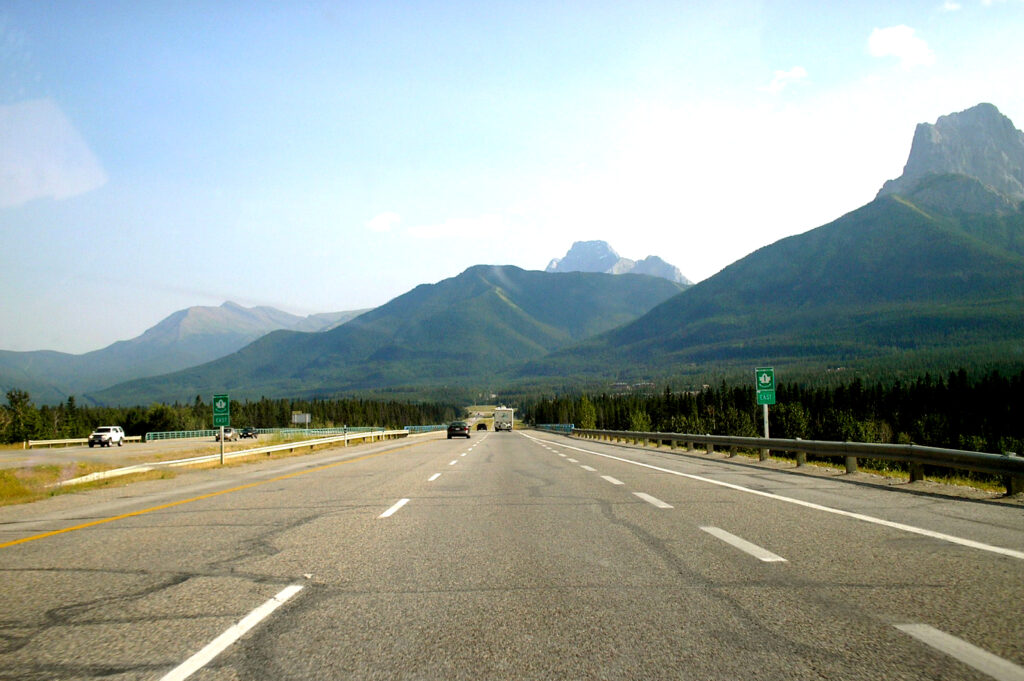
point(185, 434)
point(371, 435)
point(72, 441)
point(1008, 466)
point(556, 427)
point(426, 429)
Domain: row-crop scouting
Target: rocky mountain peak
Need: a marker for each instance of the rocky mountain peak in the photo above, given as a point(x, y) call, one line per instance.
point(599, 256)
point(587, 256)
point(980, 142)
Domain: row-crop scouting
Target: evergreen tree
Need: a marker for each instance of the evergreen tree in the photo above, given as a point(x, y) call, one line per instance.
point(21, 419)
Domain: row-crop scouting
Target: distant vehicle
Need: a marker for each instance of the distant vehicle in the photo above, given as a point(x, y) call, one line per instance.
point(249, 431)
point(503, 418)
point(230, 435)
point(104, 436)
point(460, 428)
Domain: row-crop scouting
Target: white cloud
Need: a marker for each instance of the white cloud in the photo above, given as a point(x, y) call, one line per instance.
point(950, 6)
point(900, 42)
point(784, 78)
point(42, 155)
point(384, 222)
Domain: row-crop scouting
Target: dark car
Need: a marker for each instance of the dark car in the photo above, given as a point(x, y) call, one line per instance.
point(460, 428)
point(249, 431)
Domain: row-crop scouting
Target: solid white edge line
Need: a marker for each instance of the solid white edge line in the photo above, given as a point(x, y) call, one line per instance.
point(612, 480)
point(743, 545)
point(433, 477)
point(233, 633)
point(654, 501)
point(588, 468)
point(1012, 553)
point(971, 655)
point(391, 511)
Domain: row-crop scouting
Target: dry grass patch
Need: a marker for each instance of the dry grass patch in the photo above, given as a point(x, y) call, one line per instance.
point(24, 485)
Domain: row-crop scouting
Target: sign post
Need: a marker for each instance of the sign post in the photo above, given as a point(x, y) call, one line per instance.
point(764, 383)
point(221, 418)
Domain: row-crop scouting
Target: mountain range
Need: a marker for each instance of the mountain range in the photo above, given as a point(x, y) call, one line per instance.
point(931, 270)
point(934, 266)
point(186, 338)
point(463, 330)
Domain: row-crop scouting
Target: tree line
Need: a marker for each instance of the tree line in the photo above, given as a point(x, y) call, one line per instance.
point(21, 420)
point(984, 413)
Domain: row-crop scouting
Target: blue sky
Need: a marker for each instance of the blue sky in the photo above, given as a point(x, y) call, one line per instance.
point(330, 156)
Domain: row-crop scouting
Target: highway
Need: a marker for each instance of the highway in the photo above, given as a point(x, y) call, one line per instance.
point(518, 555)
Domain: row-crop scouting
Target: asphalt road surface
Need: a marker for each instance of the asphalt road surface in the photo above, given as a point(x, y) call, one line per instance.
point(509, 556)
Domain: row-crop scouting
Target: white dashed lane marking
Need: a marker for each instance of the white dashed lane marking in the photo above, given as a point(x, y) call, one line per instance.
point(654, 501)
point(391, 511)
point(971, 655)
point(233, 633)
point(745, 546)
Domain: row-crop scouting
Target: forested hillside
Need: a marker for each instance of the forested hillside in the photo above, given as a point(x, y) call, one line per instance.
point(981, 413)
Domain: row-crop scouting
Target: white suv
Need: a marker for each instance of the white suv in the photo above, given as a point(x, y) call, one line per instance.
point(104, 436)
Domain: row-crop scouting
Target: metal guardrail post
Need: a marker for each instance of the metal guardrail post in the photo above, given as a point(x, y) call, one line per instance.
point(851, 464)
point(801, 457)
point(1014, 483)
point(916, 471)
point(711, 446)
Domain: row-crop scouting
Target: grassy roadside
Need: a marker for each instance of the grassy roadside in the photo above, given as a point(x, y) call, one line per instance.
point(32, 483)
point(25, 485)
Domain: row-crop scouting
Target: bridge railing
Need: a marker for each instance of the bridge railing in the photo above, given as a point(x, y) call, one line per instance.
point(426, 429)
point(67, 442)
point(1009, 466)
point(185, 434)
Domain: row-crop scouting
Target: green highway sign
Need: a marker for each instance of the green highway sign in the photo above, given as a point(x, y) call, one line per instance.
point(221, 411)
point(764, 383)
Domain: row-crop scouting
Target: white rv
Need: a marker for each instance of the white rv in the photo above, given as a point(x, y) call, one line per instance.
point(503, 418)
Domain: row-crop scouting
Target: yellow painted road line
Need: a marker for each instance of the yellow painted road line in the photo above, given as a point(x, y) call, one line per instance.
point(250, 485)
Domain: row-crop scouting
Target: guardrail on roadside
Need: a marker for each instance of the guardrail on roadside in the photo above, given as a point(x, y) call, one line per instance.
point(556, 427)
point(426, 429)
point(1009, 466)
point(71, 441)
point(367, 434)
point(185, 434)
